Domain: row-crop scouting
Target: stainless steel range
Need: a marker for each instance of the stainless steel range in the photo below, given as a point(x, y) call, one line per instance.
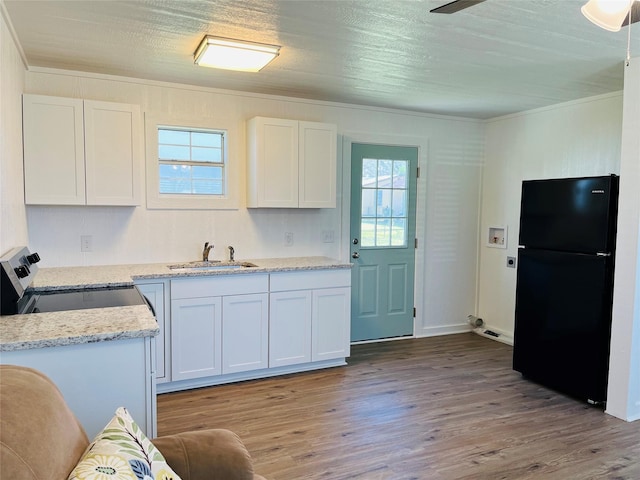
point(18, 268)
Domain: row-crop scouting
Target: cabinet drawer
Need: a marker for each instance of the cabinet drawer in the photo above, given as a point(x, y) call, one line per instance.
point(196, 287)
point(288, 281)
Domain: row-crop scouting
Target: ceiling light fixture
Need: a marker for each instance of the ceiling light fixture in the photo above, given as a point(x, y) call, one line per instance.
point(608, 14)
point(228, 54)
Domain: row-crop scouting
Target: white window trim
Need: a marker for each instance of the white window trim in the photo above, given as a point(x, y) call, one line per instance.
point(155, 200)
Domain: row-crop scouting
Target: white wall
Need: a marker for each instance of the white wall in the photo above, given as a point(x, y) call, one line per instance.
point(454, 182)
point(451, 156)
point(13, 224)
point(580, 138)
point(624, 367)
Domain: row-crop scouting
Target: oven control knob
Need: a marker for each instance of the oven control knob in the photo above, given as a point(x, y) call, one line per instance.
point(22, 271)
point(33, 258)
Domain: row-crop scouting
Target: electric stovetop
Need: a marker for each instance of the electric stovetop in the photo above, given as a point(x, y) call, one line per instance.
point(18, 268)
point(57, 301)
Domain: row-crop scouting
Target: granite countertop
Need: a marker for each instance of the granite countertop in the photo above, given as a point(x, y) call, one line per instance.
point(63, 278)
point(55, 329)
point(40, 330)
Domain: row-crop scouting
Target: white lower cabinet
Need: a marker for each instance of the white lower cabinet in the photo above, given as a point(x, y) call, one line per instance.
point(233, 327)
point(330, 323)
point(219, 325)
point(245, 332)
point(310, 316)
point(289, 328)
point(196, 337)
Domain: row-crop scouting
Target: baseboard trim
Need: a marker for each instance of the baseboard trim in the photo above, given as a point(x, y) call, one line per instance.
point(502, 336)
point(443, 330)
point(179, 385)
point(379, 340)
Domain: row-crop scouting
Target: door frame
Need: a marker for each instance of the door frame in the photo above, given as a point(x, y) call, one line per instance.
point(348, 138)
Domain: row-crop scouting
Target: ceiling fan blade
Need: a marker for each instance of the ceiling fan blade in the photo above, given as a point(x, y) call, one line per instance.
point(634, 14)
point(455, 6)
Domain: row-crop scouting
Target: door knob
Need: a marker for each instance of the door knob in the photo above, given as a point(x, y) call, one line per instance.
point(355, 241)
point(355, 255)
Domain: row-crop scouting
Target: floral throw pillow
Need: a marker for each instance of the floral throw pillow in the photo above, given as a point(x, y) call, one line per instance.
point(121, 451)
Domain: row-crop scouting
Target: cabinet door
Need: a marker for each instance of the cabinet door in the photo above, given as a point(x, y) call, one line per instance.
point(317, 165)
point(245, 332)
point(273, 163)
point(154, 293)
point(196, 332)
point(112, 153)
point(53, 150)
point(289, 328)
point(330, 324)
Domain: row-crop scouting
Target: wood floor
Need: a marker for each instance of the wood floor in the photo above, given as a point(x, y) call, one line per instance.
point(434, 408)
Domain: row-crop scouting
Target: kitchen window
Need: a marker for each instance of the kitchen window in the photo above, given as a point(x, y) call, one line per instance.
point(190, 163)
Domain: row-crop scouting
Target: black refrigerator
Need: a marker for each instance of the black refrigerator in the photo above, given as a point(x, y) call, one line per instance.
point(564, 286)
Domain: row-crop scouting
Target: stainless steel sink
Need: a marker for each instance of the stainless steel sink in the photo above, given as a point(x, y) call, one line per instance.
point(210, 266)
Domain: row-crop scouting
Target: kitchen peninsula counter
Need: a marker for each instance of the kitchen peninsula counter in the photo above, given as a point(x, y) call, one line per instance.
point(73, 327)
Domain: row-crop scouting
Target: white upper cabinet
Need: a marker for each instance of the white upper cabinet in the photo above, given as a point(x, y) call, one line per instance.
point(53, 150)
point(113, 153)
point(317, 165)
point(81, 152)
point(291, 164)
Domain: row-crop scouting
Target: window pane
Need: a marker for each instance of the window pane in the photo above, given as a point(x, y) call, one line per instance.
point(175, 137)
point(384, 173)
point(368, 203)
point(383, 232)
point(384, 203)
point(399, 232)
point(203, 139)
point(173, 152)
point(400, 174)
point(205, 154)
point(399, 203)
point(175, 179)
point(369, 172)
point(367, 232)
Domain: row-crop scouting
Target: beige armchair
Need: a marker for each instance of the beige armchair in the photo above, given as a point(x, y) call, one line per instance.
point(41, 439)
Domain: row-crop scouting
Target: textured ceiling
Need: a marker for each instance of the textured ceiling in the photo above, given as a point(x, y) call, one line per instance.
point(495, 58)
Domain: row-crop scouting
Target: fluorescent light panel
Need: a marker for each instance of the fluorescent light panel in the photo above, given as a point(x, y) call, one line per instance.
point(217, 52)
point(607, 14)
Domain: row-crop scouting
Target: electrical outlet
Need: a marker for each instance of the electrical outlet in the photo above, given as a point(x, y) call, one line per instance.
point(288, 239)
point(511, 262)
point(327, 236)
point(86, 243)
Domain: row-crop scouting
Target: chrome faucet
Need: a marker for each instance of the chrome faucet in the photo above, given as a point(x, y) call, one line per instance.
point(231, 254)
point(205, 251)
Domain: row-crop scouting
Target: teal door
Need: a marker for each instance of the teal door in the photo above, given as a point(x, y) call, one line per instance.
point(383, 226)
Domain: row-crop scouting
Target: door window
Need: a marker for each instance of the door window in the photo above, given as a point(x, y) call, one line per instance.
point(384, 203)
